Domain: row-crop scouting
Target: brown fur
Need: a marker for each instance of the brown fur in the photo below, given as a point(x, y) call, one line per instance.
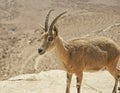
point(88, 54)
point(84, 54)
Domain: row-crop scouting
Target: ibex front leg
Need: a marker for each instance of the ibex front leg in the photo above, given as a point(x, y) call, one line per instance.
point(69, 77)
point(79, 81)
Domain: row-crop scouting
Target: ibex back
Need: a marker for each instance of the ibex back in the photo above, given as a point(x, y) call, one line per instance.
point(80, 55)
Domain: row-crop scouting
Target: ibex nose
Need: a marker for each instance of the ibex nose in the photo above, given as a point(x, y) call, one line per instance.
point(40, 50)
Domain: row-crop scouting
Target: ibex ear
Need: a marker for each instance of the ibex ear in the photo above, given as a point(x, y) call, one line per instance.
point(55, 29)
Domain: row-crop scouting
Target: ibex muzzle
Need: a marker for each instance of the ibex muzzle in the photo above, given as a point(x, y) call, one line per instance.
point(41, 51)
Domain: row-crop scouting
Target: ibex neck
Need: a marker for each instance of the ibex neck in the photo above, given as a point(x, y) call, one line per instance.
point(61, 51)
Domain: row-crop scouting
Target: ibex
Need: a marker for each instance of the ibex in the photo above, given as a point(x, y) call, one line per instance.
point(78, 55)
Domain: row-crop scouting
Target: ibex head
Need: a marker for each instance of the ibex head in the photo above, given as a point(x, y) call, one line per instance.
point(49, 35)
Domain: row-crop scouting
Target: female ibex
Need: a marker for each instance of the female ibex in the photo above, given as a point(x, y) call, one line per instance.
point(80, 55)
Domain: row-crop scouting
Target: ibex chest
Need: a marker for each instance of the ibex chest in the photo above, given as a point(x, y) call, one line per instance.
point(71, 67)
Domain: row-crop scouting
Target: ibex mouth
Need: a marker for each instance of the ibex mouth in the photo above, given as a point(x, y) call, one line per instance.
point(41, 51)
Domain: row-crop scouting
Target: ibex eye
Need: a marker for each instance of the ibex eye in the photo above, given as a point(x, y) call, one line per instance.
point(50, 38)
